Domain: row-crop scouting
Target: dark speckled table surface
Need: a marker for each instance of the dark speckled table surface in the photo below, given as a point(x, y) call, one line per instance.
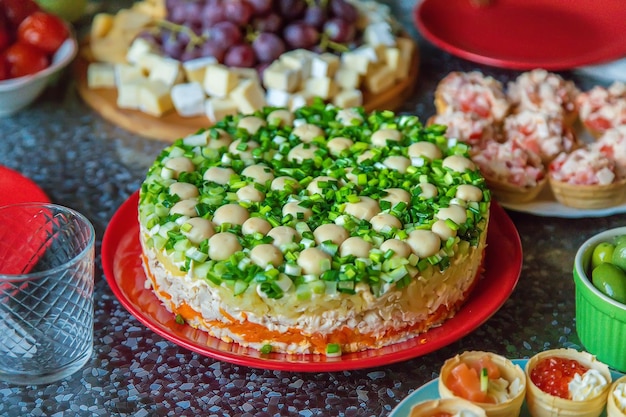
point(82, 161)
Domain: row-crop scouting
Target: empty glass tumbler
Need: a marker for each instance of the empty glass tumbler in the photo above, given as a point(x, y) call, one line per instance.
point(46, 292)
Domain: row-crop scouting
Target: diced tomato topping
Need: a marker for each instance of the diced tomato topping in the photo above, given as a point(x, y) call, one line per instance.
point(553, 375)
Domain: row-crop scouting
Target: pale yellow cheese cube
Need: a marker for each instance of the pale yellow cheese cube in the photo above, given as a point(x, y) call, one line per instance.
point(278, 76)
point(219, 80)
point(407, 49)
point(108, 49)
point(101, 75)
point(195, 69)
point(148, 61)
point(167, 70)
point(101, 25)
point(218, 108)
point(380, 78)
point(249, 96)
point(347, 78)
point(155, 98)
point(129, 20)
point(299, 60)
point(393, 59)
point(128, 93)
point(155, 9)
point(348, 98)
point(356, 61)
point(246, 73)
point(125, 73)
point(323, 87)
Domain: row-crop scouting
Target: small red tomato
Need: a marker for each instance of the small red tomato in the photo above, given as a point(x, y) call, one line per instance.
point(5, 33)
point(18, 10)
point(44, 31)
point(25, 59)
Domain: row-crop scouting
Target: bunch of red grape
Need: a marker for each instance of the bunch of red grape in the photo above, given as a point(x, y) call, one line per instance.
point(253, 33)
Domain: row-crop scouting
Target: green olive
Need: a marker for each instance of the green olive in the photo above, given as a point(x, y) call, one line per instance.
point(603, 252)
point(619, 239)
point(619, 256)
point(610, 280)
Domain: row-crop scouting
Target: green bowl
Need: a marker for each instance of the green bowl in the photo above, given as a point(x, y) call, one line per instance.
point(600, 320)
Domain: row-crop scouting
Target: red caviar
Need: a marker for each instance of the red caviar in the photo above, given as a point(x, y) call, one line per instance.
point(552, 375)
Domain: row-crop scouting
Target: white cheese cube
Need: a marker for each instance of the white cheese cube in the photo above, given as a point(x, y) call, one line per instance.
point(138, 48)
point(249, 96)
point(218, 108)
point(194, 68)
point(379, 33)
point(324, 65)
point(278, 76)
point(188, 99)
point(155, 98)
point(125, 73)
point(347, 78)
point(219, 81)
point(323, 87)
point(166, 70)
point(348, 98)
point(101, 75)
point(277, 98)
point(380, 78)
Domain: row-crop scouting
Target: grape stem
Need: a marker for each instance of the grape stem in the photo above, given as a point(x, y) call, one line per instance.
point(194, 40)
point(327, 44)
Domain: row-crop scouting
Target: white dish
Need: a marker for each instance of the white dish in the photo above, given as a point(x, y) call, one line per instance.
point(546, 205)
point(17, 93)
point(429, 391)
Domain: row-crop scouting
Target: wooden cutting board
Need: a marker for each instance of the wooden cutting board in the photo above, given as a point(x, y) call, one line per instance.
point(171, 126)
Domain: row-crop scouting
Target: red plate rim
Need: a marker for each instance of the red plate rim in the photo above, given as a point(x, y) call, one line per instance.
point(16, 188)
point(523, 35)
point(120, 257)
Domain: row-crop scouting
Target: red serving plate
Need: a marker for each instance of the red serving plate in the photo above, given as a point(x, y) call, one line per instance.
point(527, 34)
point(122, 267)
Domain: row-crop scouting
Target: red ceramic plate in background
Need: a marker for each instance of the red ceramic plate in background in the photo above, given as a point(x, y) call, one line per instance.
point(122, 267)
point(16, 188)
point(527, 34)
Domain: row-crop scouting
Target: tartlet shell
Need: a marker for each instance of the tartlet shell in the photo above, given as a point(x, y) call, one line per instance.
point(507, 193)
point(612, 410)
point(542, 404)
point(445, 405)
point(509, 371)
point(588, 196)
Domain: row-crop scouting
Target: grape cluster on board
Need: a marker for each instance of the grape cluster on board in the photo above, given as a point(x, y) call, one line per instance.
point(253, 33)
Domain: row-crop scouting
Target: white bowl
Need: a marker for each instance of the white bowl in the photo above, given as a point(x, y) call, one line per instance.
point(17, 93)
